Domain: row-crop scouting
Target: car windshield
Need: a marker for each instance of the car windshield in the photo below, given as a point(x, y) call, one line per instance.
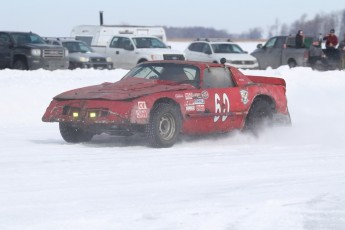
point(148, 42)
point(27, 38)
point(226, 48)
point(180, 73)
point(77, 47)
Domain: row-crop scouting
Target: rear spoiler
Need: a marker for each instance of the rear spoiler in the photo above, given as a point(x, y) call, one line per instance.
point(267, 80)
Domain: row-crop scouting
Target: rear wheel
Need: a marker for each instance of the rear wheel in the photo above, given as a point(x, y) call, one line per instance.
point(164, 126)
point(74, 135)
point(292, 63)
point(260, 114)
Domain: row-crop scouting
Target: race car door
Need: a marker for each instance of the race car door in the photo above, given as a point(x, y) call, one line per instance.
point(226, 103)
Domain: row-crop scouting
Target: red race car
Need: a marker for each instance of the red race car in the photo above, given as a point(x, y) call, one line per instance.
point(165, 98)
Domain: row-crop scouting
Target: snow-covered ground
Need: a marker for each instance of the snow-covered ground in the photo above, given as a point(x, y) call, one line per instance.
point(288, 178)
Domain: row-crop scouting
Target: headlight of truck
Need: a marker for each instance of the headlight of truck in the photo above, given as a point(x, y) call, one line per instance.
point(157, 56)
point(84, 59)
point(66, 53)
point(36, 52)
point(109, 59)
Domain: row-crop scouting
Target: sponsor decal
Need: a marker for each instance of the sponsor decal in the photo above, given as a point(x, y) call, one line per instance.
point(189, 102)
point(199, 101)
point(178, 96)
point(190, 108)
point(204, 94)
point(142, 105)
point(141, 113)
point(197, 95)
point(188, 96)
point(200, 108)
point(244, 96)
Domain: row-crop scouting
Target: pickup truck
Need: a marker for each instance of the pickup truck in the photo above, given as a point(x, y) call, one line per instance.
point(81, 55)
point(28, 51)
point(126, 51)
point(281, 50)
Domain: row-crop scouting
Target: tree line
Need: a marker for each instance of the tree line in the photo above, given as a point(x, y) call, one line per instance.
point(321, 23)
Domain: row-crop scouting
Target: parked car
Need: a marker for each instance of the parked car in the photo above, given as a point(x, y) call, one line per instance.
point(81, 55)
point(281, 50)
point(165, 98)
point(208, 50)
point(28, 51)
point(128, 50)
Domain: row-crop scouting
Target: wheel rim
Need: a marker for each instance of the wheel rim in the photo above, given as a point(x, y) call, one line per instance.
point(167, 127)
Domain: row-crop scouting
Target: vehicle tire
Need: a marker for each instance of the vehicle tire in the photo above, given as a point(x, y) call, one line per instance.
point(259, 115)
point(164, 125)
point(20, 64)
point(141, 61)
point(74, 135)
point(319, 66)
point(292, 63)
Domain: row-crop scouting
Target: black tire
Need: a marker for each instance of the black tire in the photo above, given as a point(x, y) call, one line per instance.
point(292, 64)
point(260, 114)
point(141, 61)
point(319, 66)
point(164, 125)
point(74, 135)
point(20, 64)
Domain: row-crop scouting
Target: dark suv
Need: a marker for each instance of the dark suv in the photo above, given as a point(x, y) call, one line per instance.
point(28, 51)
point(81, 55)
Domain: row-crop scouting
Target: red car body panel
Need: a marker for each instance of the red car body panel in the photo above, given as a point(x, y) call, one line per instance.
point(128, 102)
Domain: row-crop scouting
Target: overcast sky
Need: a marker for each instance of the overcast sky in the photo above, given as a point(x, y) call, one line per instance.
point(56, 18)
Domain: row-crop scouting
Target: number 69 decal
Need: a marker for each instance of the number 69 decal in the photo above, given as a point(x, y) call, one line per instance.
point(221, 106)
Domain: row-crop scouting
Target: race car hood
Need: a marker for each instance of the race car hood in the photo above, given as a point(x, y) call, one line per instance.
point(125, 89)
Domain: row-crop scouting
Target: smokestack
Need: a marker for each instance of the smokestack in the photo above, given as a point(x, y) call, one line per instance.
point(101, 18)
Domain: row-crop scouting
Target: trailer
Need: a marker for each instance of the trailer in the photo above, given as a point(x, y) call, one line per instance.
point(100, 35)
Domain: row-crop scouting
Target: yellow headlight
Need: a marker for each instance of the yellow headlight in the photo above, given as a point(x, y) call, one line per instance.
point(75, 114)
point(92, 114)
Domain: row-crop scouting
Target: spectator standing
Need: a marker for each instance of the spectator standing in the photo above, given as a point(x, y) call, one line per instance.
point(331, 40)
point(300, 39)
point(317, 58)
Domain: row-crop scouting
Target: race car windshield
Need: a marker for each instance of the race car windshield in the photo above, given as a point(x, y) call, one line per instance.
point(148, 42)
point(179, 73)
point(226, 48)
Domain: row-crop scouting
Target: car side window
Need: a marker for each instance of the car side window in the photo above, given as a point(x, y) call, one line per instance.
point(206, 49)
point(217, 77)
point(197, 47)
point(270, 43)
point(4, 38)
point(115, 42)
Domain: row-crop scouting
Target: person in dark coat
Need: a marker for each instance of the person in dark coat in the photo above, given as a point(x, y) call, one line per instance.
point(300, 39)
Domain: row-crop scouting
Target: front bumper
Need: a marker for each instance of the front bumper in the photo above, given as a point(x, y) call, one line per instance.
point(90, 65)
point(35, 63)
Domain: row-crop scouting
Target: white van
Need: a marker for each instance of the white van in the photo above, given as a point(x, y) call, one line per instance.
point(100, 35)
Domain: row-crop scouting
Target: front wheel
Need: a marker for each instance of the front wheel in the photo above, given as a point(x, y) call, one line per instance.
point(74, 135)
point(164, 126)
point(292, 64)
point(20, 64)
